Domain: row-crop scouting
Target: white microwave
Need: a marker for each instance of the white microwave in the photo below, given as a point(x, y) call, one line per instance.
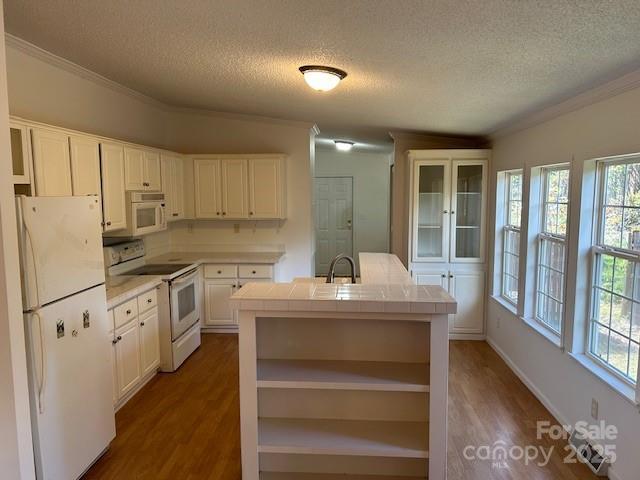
point(145, 214)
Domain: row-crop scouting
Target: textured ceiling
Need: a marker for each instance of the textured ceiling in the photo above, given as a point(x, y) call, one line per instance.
point(465, 67)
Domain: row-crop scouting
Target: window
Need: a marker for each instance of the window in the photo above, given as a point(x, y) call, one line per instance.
point(614, 330)
point(511, 236)
point(550, 268)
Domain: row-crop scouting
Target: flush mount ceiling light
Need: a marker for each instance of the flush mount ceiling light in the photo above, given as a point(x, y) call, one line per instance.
point(322, 78)
point(343, 145)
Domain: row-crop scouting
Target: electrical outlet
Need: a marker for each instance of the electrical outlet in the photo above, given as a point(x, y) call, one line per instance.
point(594, 409)
point(236, 228)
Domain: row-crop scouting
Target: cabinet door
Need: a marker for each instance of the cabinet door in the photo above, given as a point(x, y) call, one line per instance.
point(114, 210)
point(149, 341)
point(51, 165)
point(128, 357)
point(431, 211)
point(85, 166)
point(217, 294)
point(468, 290)
point(20, 153)
point(207, 185)
point(173, 186)
point(265, 188)
point(234, 188)
point(439, 278)
point(152, 177)
point(468, 199)
point(134, 162)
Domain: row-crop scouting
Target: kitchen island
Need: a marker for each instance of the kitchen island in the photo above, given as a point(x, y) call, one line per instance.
point(347, 381)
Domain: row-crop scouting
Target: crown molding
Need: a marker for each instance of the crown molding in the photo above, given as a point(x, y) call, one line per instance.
point(597, 94)
point(75, 69)
point(239, 116)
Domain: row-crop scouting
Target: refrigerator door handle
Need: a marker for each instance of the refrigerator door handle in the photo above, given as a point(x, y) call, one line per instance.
point(43, 365)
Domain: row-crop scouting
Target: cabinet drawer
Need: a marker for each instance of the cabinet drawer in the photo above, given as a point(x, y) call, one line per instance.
point(147, 300)
point(125, 312)
point(220, 271)
point(256, 271)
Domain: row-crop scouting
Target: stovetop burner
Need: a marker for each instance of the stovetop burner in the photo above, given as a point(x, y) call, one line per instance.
point(158, 269)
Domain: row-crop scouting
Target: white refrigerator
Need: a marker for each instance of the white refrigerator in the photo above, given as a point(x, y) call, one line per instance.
point(65, 314)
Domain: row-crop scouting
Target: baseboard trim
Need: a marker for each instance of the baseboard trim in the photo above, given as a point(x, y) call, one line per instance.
point(233, 329)
point(467, 336)
point(528, 383)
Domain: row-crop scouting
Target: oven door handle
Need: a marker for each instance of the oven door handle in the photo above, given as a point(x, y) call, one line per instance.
point(186, 278)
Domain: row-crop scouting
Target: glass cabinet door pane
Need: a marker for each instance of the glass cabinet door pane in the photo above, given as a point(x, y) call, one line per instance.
point(468, 210)
point(17, 155)
point(430, 208)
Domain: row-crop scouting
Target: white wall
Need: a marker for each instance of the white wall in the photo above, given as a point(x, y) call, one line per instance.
point(609, 127)
point(370, 172)
point(16, 453)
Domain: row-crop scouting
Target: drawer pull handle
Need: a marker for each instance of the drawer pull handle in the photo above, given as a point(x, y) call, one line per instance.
point(108, 224)
point(175, 214)
point(444, 275)
point(128, 312)
point(219, 272)
point(253, 271)
point(149, 300)
point(142, 324)
point(114, 341)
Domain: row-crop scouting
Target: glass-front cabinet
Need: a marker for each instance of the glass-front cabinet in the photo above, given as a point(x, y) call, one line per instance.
point(20, 153)
point(449, 210)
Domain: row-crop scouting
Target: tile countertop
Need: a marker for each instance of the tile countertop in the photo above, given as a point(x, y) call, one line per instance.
point(123, 287)
point(386, 287)
point(218, 257)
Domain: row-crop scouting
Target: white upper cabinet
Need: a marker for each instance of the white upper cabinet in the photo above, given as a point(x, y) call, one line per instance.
point(152, 176)
point(142, 169)
point(234, 188)
point(208, 202)
point(113, 188)
point(237, 187)
point(134, 168)
point(20, 152)
point(51, 164)
point(267, 197)
point(449, 203)
point(85, 165)
point(173, 186)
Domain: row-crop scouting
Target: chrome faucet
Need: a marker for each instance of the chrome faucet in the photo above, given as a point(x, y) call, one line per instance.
point(332, 267)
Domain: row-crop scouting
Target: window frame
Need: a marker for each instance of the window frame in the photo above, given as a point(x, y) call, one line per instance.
point(598, 248)
point(542, 236)
point(509, 228)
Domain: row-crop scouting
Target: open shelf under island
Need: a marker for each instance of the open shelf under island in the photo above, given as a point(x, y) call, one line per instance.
point(344, 381)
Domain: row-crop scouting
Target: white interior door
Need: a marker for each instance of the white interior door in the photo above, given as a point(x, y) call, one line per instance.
point(333, 221)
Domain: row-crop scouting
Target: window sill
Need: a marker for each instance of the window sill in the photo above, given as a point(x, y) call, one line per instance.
point(623, 389)
point(554, 338)
point(504, 304)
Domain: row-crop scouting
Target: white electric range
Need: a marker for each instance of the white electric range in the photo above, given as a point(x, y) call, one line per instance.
point(178, 301)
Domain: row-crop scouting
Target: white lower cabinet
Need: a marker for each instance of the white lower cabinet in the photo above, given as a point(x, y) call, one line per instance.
point(221, 281)
point(217, 294)
point(467, 287)
point(149, 341)
point(128, 357)
point(134, 335)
